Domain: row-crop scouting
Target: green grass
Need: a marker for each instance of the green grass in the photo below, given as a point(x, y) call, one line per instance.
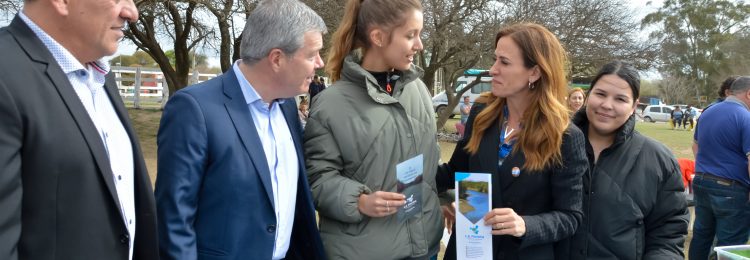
point(679, 141)
point(146, 124)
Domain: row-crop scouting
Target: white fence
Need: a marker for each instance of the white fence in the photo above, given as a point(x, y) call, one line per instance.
point(139, 85)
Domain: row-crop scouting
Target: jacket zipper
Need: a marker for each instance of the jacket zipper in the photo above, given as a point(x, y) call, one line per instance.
point(590, 195)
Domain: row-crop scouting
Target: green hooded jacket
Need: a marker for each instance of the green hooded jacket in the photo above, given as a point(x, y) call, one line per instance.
point(355, 136)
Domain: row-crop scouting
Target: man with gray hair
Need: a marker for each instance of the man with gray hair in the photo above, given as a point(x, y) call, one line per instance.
point(231, 181)
point(722, 179)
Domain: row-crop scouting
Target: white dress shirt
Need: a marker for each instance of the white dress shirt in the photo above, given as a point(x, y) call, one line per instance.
point(281, 156)
point(88, 82)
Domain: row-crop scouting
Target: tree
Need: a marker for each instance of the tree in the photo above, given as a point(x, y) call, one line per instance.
point(594, 32)
point(457, 35)
point(693, 35)
point(226, 12)
point(139, 58)
point(737, 63)
point(649, 88)
point(674, 90)
point(176, 22)
point(8, 9)
point(331, 11)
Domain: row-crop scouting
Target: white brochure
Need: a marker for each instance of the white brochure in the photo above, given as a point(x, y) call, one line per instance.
point(474, 200)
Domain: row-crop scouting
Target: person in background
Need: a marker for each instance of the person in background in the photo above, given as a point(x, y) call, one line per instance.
point(73, 182)
point(322, 81)
point(524, 138)
point(464, 108)
point(575, 99)
point(676, 117)
point(687, 117)
point(303, 112)
point(231, 182)
point(721, 186)
point(723, 91)
point(316, 86)
point(377, 114)
point(687, 167)
point(634, 203)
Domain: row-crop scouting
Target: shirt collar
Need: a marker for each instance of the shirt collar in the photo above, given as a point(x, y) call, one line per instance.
point(736, 100)
point(248, 91)
point(68, 63)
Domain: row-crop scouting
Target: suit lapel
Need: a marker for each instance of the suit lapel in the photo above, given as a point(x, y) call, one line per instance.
point(139, 166)
point(243, 122)
point(289, 108)
point(488, 148)
point(39, 53)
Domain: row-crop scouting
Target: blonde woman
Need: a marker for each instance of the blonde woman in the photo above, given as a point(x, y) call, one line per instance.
point(575, 99)
point(376, 115)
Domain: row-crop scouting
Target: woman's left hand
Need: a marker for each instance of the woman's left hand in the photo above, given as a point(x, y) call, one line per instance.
point(505, 221)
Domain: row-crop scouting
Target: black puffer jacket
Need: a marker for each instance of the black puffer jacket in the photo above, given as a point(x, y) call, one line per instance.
point(634, 206)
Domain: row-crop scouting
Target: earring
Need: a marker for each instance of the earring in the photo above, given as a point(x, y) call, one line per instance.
point(531, 86)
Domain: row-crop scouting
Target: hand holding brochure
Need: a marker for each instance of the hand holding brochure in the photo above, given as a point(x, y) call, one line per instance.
point(474, 200)
point(409, 175)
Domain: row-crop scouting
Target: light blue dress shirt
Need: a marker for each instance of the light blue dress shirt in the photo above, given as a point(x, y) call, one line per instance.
point(281, 155)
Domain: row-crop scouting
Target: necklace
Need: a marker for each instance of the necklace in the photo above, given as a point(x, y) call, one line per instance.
point(507, 132)
point(504, 148)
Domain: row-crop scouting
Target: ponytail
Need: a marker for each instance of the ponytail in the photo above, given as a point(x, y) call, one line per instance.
point(343, 40)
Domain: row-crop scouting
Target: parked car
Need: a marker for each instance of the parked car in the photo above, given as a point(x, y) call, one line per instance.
point(440, 101)
point(657, 113)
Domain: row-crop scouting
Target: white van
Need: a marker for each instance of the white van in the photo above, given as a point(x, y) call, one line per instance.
point(440, 101)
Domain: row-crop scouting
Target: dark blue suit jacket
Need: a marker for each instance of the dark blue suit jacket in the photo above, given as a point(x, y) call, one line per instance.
point(213, 187)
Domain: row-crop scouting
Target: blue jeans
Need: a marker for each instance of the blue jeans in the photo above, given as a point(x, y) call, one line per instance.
point(721, 210)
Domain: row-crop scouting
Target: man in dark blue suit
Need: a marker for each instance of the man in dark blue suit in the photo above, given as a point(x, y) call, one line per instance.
point(231, 181)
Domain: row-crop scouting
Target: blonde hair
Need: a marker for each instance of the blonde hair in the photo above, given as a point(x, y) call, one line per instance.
point(359, 17)
point(573, 91)
point(546, 118)
point(485, 97)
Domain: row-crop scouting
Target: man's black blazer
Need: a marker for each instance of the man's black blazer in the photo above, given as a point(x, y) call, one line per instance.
point(57, 193)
